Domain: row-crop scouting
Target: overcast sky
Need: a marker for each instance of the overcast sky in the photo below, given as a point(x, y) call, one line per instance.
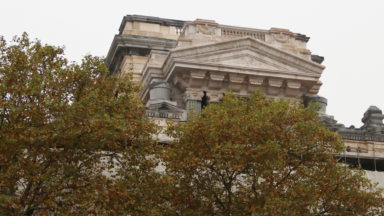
point(348, 33)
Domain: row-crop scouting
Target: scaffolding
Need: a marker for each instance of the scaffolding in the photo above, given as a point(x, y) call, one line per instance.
point(363, 156)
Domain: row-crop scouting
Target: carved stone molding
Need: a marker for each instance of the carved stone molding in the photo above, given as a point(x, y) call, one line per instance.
point(179, 81)
point(236, 82)
point(281, 38)
point(256, 80)
point(214, 97)
point(293, 84)
point(196, 79)
point(192, 94)
point(315, 89)
point(216, 81)
point(281, 35)
point(206, 29)
point(275, 82)
point(254, 83)
point(293, 88)
point(274, 86)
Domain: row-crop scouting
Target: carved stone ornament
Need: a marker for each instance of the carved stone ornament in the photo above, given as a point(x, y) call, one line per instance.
point(256, 81)
point(179, 81)
point(198, 74)
point(243, 61)
point(236, 82)
point(293, 85)
point(196, 80)
point(236, 79)
point(275, 83)
point(193, 95)
point(214, 96)
point(274, 86)
point(281, 38)
point(217, 77)
point(205, 29)
point(293, 88)
point(215, 81)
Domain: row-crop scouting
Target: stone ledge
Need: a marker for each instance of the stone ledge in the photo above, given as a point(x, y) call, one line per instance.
point(134, 45)
point(150, 19)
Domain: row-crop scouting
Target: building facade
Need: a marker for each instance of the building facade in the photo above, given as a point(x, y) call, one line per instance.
point(185, 63)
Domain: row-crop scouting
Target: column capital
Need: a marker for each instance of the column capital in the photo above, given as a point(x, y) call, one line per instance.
point(193, 94)
point(214, 97)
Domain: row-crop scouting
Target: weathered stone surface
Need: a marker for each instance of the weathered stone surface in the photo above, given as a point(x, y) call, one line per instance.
point(208, 58)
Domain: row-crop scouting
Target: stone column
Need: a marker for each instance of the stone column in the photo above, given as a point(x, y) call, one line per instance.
point(193, 98)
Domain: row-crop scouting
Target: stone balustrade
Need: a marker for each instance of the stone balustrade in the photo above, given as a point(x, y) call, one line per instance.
point(234, 33)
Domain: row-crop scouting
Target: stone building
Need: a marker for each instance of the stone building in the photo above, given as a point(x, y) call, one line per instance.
point(184, 63)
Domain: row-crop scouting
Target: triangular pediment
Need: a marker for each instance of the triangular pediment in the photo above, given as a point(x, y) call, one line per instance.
point(247, 59)
point(248, 54)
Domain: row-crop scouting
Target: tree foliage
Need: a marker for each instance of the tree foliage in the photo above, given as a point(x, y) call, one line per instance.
point(74, 141)
point(260, 157)
point(64, 130)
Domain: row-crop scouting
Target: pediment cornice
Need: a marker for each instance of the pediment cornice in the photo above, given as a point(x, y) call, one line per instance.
point(200, 52)
point(243, 64)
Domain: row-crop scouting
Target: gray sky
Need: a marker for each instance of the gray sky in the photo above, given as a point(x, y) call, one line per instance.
point(348, 33)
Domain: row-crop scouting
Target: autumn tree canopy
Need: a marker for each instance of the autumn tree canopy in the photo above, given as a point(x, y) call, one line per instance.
point(62, 128)
point(74, 141)
point(260, 157)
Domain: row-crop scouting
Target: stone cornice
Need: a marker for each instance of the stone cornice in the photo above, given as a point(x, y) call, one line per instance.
point(243, 28)
point(244, 43)
point(142, 45)
point(184, 63)
point(150, 19)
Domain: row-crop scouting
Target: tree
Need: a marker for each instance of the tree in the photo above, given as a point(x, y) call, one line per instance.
point(68, 132)
point(260, 157)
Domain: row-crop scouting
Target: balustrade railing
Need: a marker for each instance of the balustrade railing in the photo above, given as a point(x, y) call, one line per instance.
point(232, 33)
